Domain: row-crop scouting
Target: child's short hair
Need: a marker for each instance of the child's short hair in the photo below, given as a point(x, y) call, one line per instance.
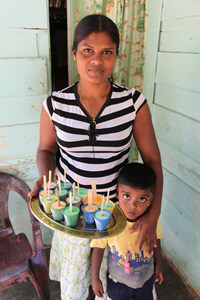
point(138, 176)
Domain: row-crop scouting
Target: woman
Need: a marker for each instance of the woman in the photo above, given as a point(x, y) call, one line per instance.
point(86, 130)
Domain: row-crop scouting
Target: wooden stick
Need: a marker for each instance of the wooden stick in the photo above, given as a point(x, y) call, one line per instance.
point(45, 183)
point(74, 191)
point(94, 193)
point(48, 190)
point(57, 196)
point(78, 184)
point(107, 197)
point(64, 177)
point(49, 179)
point(89, 199)
point(59, 184)
point(102, 206)
point(70, 201)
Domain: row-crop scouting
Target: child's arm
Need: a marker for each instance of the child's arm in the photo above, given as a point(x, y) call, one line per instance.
point(97, 255)
point(157, 264)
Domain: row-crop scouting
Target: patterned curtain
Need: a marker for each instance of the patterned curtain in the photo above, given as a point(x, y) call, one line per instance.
point(131, 18)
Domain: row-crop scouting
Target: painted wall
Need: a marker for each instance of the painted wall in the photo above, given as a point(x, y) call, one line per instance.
point(24, 83)
point(172, 84)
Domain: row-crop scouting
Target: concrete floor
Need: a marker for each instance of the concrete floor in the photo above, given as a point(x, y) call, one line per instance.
point(172, 288)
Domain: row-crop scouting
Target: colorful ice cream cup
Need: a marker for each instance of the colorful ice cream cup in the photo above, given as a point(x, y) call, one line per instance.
point(110, 205)
point(46, 201)
point(89, 214)
point(57, 210)
point(75, 201)
point(63, 194)
point(66, 185)
point(81, 193)
point(102, 219)
point(71, 217)
point(99, 199)
point(53, 186)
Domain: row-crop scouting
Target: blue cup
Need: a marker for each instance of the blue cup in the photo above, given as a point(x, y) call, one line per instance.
point(102, 219)
point(89, 215)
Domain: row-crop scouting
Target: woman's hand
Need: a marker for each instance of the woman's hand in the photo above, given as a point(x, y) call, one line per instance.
point(97, 287)
point(147, 227)
point(37, 186)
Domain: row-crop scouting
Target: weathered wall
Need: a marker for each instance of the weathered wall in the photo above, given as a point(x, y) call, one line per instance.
point(24, 83)
point(172, 77)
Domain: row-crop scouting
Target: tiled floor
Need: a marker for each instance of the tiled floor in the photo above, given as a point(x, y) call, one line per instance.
point(171, 289)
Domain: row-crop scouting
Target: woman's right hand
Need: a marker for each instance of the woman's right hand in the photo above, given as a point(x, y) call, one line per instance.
point(37, 186)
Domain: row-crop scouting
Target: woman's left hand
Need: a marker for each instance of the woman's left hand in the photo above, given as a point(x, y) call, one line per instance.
point(147, 227)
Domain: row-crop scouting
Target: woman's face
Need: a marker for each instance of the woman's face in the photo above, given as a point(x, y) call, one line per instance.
point(95, 57)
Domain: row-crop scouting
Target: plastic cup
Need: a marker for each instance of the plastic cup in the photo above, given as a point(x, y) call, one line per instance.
point(44, 193)
point(89, 215)
point(99, 199)
point(76, 202)
point(62, 194)
point(82, 193)
point(46, 201)
point(71, 217)
point(102, 219)
point(66, 185)
point(110, 205)
point(57, 210)
point(53, 186)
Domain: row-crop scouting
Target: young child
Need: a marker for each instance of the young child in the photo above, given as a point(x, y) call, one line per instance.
point(130, 273)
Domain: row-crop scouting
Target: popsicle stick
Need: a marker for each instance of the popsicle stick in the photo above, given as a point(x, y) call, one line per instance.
point(59, 184)
point(64, 177)
point(74, 191)
point(102, 206)
point(70, 201)
point(107, 197)
point(48, 191)
point(57, 196)
point(78, 184)
point(89, 199)
point(45, 183)
point(94, 193)
point(50, 178)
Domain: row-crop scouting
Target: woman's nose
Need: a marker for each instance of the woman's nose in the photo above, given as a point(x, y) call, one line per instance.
point(97, 58)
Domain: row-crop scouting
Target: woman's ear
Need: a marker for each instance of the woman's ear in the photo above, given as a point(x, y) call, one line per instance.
point(74, 55)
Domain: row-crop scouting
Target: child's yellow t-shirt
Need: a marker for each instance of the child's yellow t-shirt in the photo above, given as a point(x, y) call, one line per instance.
point(141, 267)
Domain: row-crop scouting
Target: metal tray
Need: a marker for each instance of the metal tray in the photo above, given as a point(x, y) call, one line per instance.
point(116, 225)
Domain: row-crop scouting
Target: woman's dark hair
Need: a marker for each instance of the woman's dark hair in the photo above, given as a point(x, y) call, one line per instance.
point(138, 176)
point(95, 23)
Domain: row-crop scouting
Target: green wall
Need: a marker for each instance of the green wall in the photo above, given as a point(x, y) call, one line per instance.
point(24, 84)
point(171, 83)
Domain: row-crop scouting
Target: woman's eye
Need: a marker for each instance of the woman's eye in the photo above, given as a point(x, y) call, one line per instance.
point(126, 196)
point(87, 50)
point(142, 199)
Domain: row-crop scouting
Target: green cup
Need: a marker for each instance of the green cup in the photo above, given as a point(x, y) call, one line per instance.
point(57, 210)
point(71, 217)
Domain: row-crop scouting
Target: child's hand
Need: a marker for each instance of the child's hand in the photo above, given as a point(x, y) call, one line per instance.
point(158, 274)
point(36, 188)
point(97, 287)
point(147, 226)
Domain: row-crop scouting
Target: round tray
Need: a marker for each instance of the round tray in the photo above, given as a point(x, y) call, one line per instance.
point(116, 225)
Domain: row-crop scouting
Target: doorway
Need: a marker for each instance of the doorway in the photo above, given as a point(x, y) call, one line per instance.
point(58, 38)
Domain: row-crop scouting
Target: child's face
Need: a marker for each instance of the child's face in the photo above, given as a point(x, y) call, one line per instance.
point(133, 202)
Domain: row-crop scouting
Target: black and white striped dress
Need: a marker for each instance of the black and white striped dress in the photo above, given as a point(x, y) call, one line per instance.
point(93, 149)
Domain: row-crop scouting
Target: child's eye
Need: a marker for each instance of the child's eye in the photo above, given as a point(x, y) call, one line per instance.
point(142, 199)
point(126, 196)
point(107, 52)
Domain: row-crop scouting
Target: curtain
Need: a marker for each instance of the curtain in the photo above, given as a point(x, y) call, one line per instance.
point(131, 18)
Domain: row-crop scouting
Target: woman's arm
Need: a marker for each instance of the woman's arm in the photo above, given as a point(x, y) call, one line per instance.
point(97, 255)
point(145, 139)
point(46, 151)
